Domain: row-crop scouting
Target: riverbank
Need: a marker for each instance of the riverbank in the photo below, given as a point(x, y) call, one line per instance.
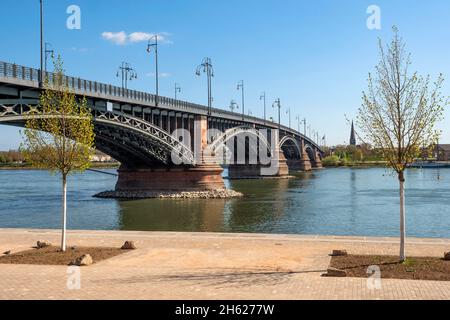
point(23, 166)
point(174, 265)
point(361, 164)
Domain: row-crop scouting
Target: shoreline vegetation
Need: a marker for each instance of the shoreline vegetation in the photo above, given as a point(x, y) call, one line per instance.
point(331, 162)
point(27, 166)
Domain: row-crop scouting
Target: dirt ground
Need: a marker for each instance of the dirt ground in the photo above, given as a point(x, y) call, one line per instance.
point(53, 255)
point(420, 268)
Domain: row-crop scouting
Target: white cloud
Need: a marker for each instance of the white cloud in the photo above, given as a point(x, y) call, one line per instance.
point(119, 38)
point(122, 38)
point(140, 36)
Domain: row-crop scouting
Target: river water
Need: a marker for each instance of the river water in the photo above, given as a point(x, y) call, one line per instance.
point(326, 202)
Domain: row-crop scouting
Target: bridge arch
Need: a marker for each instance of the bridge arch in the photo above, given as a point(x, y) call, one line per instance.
point(220, 142)
point(290, 147)
point(129, 140)
point(311, 152)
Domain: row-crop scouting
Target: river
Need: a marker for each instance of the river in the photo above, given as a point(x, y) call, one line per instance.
point(340, 201)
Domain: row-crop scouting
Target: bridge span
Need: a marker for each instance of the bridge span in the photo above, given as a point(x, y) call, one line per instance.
point(166, 144)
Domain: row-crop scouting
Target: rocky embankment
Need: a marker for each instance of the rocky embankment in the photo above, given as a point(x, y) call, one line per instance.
point(208, 194)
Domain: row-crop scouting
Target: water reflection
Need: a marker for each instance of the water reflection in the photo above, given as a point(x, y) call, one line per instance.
point(332, 202)
point(174, 215)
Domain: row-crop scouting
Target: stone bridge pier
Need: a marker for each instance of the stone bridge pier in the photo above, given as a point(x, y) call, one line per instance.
point(204, 175)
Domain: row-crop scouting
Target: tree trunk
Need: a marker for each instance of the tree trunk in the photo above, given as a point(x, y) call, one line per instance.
point(64, 214)
point(401, 178)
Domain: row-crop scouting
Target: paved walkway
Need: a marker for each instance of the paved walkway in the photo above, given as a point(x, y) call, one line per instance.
point(211, 266)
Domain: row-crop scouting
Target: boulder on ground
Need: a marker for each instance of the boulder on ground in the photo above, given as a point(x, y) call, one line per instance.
point(447, 256)
point(333, 272)
point(43, 244)
point(338, 253)
point(84, 260)
point(7, 252)
point(129, 245)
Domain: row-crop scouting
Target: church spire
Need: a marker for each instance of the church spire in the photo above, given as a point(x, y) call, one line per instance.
point(353, 136)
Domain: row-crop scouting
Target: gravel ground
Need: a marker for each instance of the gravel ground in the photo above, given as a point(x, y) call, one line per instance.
point(209, 194)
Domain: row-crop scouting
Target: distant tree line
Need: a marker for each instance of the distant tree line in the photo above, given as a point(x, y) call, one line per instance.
point(351, 155)
point(11, 156)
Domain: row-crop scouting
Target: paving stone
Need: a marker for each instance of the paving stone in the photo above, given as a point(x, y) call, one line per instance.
point(187, 266)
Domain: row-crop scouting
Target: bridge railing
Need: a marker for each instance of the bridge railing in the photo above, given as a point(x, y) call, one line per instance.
point(10, 70)
point(88, 87)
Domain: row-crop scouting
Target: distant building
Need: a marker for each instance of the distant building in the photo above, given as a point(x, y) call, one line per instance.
point(353, 136)
point(442, 152)
point(101, 157)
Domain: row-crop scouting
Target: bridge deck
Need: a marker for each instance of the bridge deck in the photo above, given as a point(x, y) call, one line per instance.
point(28, 78)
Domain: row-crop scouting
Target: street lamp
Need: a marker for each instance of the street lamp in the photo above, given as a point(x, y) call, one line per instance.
point(127, 72)
point(299, 121)
point(263, 97)
point(41, 71)
point(233, 105)
point(277, 104)
point(153, 43)
point(304, 126)
point(207, 68)
point(288, 111)
point(240, 86)
point(177, 90)
point(47, 53)
point(250, 112)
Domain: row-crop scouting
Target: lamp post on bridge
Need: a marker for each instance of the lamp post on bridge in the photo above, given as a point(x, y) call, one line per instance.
point(299, 121)
point(277, 104)
point(153, 43)
point(41, 71)
point(263, 97)
point(233, 105)
point(208, 69)
point(240, 86)
point(288, 111)
point(177, 90)
point(47, 53)
point(127, 73)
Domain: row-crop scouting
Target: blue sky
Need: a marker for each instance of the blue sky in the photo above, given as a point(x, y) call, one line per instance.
point(313, 55)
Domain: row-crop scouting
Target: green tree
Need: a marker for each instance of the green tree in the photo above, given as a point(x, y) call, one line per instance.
point(399, 113)
point(60, 135)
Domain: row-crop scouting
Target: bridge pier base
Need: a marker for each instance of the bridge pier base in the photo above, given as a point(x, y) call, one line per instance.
point(299, 165)
point(279, 168)
point(305, 162)
point(317, 163)
point(178, 179)
point(244, 171)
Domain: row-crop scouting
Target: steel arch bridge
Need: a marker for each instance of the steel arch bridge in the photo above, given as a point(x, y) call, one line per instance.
point(143, 132)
